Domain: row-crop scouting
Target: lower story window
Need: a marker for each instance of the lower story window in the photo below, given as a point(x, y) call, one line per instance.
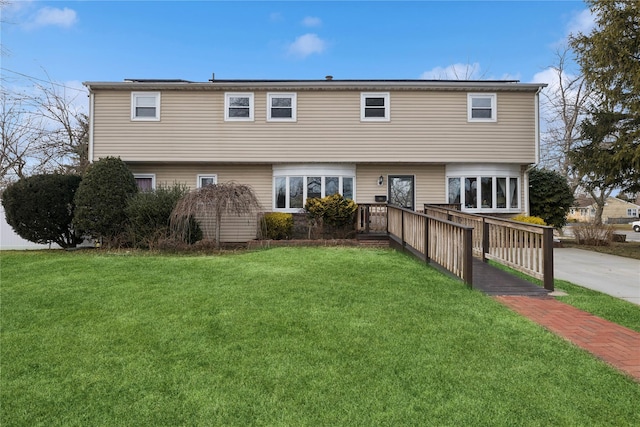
point(484, 192)
point(145, 182)
point(292, 192)
point(204, 180)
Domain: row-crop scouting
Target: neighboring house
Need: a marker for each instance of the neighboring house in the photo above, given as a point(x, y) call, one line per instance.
point(615, 210)
point(411, 141)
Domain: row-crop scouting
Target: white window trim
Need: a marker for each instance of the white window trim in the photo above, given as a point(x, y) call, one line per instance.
point(305, 188)
point(134, 97)
point(387, 106)
point(494, 107)
point(494, 202)
point(228, 95)
point(147, 175)
point(311, 170)
point(294, 106)
point(206, 175)
point(493, 170)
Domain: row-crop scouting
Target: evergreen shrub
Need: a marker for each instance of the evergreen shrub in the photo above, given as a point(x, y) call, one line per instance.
point(550, 196)
point(276, 225)
point(529, 219)
point(40, 208)
point(334, 210)
point(149, 212)
point(102, 198)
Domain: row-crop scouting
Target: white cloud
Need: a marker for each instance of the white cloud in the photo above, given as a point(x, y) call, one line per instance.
point(582, 22)
point(306, 45)
point(548, 75)
point(276, 17)
point(50, 16)
point(454, 72)
point(311, 21)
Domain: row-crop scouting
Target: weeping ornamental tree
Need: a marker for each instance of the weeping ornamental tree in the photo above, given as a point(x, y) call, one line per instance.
point(213, 200)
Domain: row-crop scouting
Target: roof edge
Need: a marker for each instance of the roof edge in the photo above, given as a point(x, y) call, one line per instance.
point(176, 84)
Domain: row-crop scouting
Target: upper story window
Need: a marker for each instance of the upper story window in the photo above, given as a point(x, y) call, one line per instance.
point(281, 107)
point(481, 107)
point(632, 212)
point(145, 181)
point(374, 107)
point(145, 106)
point(238, 106)
point(204, 180)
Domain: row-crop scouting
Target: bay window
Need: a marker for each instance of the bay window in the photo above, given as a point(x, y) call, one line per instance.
point(484, 188)
point(294, 184)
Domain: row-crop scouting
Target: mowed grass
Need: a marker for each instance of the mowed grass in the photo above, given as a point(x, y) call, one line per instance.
point(287, 337)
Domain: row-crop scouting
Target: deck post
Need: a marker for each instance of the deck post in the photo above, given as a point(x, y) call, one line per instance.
point(367, 217)
point(547, 255)
point(386, 213)
point(485, 239)
point(468, 257)
point(404, 244)
point(426, 240)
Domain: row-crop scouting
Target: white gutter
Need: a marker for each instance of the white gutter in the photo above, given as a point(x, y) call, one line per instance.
point(527, 209)
point(91, 116)
point(537, 113)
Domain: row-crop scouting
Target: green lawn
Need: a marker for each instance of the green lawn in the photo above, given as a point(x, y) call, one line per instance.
point(287, 336)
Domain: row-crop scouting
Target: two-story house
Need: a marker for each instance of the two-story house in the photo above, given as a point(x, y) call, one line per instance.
point(615, 211)
point(410, 141)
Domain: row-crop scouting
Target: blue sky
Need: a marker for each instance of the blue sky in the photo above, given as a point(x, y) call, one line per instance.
point(75, 41)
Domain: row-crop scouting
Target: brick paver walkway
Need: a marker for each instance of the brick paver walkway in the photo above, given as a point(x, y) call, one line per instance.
point(615, 344)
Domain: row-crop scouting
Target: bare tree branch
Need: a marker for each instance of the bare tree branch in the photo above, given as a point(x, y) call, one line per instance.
point(42, 131)
point(565, 103)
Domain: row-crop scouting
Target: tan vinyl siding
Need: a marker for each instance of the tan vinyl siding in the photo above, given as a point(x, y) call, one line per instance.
point(233, 229)
point(429, 182)
point(425, 126)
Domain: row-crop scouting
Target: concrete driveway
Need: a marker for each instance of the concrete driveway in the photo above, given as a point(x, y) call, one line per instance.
point(609, 274)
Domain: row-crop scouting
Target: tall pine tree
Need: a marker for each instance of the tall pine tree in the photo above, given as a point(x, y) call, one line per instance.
point(610, 60)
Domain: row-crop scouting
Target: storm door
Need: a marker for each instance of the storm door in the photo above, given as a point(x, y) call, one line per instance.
point(402, 191)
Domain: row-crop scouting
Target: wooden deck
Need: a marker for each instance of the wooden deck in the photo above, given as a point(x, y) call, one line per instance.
point(493, 281)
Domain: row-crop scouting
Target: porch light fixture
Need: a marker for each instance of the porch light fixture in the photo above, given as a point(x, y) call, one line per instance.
point(380, 180)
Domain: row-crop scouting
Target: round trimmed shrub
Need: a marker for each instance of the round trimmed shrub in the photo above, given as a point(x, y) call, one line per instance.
point(40, 208)
point(550, 196)
point(276, 225)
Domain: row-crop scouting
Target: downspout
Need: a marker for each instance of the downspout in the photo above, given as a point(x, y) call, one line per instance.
point(91, 118)
point(537, 159)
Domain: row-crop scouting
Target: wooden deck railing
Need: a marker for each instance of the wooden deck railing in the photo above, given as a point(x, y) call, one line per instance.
point(440, 235)
point(432, 239)
point(372, 218)
point(524, 247)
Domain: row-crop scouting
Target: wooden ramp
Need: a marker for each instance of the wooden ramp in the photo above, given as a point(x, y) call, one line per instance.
point(493, 281)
